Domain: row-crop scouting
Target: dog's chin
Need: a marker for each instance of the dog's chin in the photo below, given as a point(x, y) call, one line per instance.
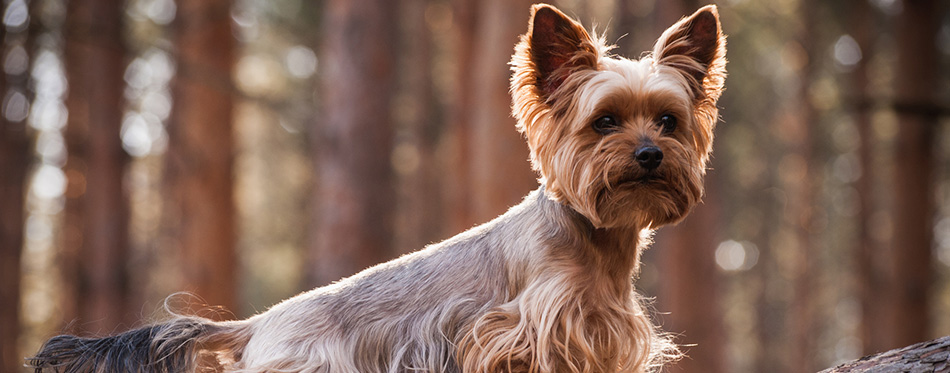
point(643, 201)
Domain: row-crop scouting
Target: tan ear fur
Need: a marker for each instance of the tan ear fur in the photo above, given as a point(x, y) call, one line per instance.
point(553, 48)
point(696, 46)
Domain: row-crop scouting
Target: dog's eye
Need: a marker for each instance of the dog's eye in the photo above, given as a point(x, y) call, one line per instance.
point(606, 124)
point(667, 122)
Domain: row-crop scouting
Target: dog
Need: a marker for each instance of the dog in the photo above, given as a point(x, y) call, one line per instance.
point(621, 147)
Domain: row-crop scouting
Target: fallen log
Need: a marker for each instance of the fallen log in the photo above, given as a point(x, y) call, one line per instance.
point(925, 357)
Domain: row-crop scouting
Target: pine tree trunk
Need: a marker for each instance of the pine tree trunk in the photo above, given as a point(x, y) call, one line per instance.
point(96, 238)
point(867, 255)
point(635, 31)
point(199, 215)
point(458, 143)
point(689, 285)
point(908, 297)
point(415, 160)
point(15, 159)
point(498, 156)
point(800, 211)
point(355, 196)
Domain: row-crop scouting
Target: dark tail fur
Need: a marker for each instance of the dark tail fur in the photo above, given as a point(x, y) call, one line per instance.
point(171, 347)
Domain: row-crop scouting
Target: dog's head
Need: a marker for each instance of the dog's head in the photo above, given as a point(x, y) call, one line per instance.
point(623, 142)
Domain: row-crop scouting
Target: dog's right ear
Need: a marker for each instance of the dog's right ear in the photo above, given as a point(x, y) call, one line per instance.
point(553, 48)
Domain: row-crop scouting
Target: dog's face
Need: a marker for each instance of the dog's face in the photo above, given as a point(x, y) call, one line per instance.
point(623, 142)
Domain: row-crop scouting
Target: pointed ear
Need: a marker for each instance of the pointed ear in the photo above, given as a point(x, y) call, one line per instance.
point(555, 46)
point(696, 46)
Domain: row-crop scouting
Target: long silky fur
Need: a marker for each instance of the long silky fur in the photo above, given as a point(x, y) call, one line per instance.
point(548, 330)
point(169, 347)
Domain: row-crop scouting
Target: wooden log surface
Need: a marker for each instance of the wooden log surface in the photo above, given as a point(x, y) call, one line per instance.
point(925, 357)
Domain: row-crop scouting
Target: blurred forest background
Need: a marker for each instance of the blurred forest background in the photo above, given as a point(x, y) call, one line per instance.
point(247, 150)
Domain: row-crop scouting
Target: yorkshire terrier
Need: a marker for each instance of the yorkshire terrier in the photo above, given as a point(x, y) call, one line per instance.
point(621, 146)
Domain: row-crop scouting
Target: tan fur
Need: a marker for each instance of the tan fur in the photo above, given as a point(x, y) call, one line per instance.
point(545, 287)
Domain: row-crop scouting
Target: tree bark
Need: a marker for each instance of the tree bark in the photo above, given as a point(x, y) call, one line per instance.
point(689, 285)
point(498, 156)
point(458, 180)
point(930, 356)
point(488, 170)
point(95, 231)
point(636, 29)
point(908, 292)
point(355, 197)
point(15, 159)
point(869, 264)
point(801, 208)
point(416, 164)
point(199, 215)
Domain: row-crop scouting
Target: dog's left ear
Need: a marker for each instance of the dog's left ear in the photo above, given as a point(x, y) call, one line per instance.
point(696, 46)
point(554, 47)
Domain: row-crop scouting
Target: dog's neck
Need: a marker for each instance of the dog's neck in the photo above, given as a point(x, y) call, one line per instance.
point(613, 253)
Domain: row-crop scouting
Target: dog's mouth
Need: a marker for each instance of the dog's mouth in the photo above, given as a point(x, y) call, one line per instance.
point(640, 178)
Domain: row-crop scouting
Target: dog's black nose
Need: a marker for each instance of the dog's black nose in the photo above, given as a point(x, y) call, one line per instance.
point(649, 157)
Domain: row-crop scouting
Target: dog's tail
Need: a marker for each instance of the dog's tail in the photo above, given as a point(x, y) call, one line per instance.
point(182, 344)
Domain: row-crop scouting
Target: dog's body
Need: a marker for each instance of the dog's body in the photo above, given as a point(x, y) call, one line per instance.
point(484, 290)
point(547, 286)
